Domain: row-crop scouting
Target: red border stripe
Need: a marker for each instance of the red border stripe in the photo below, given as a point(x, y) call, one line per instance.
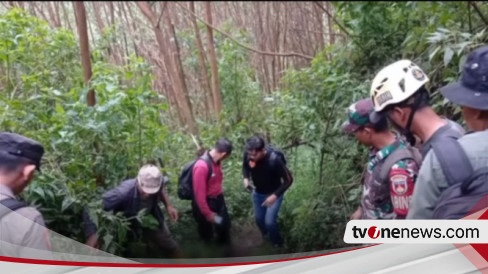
point(94, 264)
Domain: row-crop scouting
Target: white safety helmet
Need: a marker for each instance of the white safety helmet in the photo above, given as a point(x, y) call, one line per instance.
point(395, 83)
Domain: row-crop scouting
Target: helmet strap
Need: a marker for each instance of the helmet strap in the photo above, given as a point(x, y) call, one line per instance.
point(414, 107)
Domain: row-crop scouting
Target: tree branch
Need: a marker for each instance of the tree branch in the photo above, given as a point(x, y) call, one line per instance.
point(478, 11)
point(298, 143)
point(316, 32)
point(285, 54)
point(333, 18)
point(162, 11)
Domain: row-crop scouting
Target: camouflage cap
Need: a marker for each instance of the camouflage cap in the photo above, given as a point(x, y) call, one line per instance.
point(358, 115)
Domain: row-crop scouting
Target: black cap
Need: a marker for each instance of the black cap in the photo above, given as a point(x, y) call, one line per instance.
point(21, 146)
point(472, 90)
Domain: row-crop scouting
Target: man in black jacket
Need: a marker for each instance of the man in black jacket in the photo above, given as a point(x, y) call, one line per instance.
point(133, 195)
point(271, 179)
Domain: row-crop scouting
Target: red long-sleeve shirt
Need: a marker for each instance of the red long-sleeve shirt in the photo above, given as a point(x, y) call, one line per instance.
point(202, 189)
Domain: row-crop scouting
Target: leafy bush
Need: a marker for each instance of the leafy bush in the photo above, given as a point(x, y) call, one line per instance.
point(47, 103)
point(91, 149)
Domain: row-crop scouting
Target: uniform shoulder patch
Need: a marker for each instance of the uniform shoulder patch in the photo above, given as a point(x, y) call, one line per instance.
point(399, 183)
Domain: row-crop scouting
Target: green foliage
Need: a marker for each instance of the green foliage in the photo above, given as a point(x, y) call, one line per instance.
point(45, 98)
point(244, 105)
point(34, 56)
point(47, 103)
point(377, 31)
point(312, 107)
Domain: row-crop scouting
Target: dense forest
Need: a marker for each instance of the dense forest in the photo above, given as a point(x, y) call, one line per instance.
point(109, 86)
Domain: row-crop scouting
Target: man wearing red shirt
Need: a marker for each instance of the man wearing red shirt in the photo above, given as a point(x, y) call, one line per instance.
point(208, 205)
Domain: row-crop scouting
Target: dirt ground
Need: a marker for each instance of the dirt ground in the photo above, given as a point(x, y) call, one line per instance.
point(246, 240)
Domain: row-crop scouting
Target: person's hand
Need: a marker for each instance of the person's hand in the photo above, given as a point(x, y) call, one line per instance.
point(217, 219)
point(250, 188)
point(93, 241)
point(173, 213)
point(246, 183)
point(270, 200)
point(357, 214)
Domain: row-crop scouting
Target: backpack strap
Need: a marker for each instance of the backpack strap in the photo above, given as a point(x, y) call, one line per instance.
point(10, 205)
point(273, 157)
point(205, 157)
point(401, 153)
point(478, 173)
point(454, 162)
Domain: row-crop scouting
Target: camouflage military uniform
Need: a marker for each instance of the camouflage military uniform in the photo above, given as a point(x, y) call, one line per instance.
point(391, 201)
point(381, 200)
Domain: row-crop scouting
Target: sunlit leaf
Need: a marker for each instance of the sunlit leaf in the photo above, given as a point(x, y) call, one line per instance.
point(448, 53)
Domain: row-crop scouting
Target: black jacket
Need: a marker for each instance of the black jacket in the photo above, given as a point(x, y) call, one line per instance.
point(269, 175)
point(125, 198)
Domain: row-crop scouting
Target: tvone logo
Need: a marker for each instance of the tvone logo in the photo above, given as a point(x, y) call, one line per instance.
point(373, 232)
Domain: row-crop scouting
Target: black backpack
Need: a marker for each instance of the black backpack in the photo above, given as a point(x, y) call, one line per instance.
point(467, 187)
point(278, 153)
point(185, 180)
point(9, 205)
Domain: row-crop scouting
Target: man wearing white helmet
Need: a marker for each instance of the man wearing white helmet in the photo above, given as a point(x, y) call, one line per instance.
point(398, 91)
point(454, 177)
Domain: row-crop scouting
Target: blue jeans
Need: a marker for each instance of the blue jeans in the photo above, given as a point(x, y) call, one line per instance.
point(267, 217)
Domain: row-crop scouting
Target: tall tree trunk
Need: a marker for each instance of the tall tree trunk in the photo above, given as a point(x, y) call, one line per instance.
point(124, 33)
point(81, 25)
point(274, 42)
point(98, 18)
point(31, 6)
point(201, 58)
point(120, 14)
point(283, 63)
point(179, 68)
point(177, 56)
point(40, 12)
point(268, 46)
point(320, 32)
point(117, 50)
point(58, 16)
point(328, 6)
point(66, 16)
point(277, 44)
point(112, 13)
point(260, 43)
point(106, 16)
point(52, 15)
point(128, 29)
point(164, 45)
point(90, 28)
point(134, 27)
point(213, 61)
